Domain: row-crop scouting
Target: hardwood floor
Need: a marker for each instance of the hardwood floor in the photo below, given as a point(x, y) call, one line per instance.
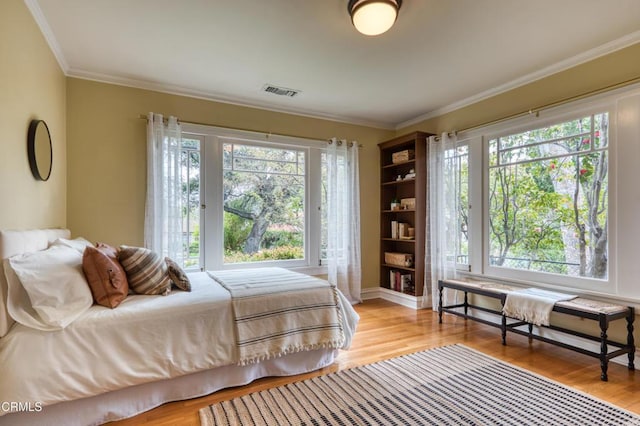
point(387, 330)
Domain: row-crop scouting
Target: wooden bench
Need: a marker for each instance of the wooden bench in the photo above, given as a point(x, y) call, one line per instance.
point(602, 312)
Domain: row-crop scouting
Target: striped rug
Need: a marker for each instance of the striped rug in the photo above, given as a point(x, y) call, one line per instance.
point(451, 385)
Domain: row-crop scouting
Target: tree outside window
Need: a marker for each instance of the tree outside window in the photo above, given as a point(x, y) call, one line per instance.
point(264, 201)
point(548, 199)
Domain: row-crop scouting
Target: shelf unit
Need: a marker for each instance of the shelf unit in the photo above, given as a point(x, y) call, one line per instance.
point(391, 188)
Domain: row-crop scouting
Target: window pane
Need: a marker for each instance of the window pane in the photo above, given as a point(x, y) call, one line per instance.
point(493, 152)
point(324, 233)
point(190, 160)
point(548, 201)
point(545, 150)
point(601, 130)
point(264, 198)
point(462, 170)
point(557, 131)
point(457, 213)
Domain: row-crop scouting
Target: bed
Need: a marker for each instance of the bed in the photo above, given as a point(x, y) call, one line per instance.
point(111, 364)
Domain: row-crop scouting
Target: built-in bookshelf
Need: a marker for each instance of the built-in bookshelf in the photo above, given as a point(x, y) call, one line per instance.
point(403, 185)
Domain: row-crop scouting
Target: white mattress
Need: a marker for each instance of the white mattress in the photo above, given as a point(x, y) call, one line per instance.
point(88, 357)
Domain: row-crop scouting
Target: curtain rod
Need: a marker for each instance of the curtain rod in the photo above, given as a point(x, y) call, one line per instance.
point(537, 110)
point(267, 134)
point(341, 141)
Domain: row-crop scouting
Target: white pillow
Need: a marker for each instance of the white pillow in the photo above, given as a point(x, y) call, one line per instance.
point(78, 244)
point(47, 289)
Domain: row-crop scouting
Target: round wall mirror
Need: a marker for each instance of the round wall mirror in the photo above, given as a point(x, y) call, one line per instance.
point(40, 150)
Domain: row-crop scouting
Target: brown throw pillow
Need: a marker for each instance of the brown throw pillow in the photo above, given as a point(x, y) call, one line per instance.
point(108, 250)
point(146, 270)
point(177, 275)
point(107, 280)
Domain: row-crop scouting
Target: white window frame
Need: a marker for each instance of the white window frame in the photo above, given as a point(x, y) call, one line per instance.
point(212, 227)
point(549, 278)
point(479, 181)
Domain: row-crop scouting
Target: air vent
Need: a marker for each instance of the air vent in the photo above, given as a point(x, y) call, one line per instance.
point(281, 91)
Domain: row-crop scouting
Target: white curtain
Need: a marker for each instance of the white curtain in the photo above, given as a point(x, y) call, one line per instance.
point(343, 218)
point(442, 215)
point(163, 212)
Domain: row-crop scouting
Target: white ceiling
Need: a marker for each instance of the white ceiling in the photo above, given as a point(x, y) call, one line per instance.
point(440, 54)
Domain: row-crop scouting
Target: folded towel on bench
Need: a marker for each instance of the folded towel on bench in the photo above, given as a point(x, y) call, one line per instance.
point(533, 305)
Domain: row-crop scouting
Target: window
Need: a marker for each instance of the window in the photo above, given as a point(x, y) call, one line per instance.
point(554, 199)
point(324, 233)
point(547, 196)
point(190, 169)
point(457, 170)
point(252, 200)
point(264, 203)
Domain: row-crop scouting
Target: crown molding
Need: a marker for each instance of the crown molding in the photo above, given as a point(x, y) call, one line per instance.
point(589, 55)
point(216, 97)
point(45, 29)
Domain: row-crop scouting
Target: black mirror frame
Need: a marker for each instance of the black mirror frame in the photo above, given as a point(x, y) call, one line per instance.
point(31, 148)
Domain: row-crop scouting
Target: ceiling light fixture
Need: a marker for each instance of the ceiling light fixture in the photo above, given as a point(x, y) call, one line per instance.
point(373, 17)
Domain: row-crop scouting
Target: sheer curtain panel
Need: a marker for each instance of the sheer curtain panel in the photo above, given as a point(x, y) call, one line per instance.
point(163, 211)
point(442, 216)
point(343, 218)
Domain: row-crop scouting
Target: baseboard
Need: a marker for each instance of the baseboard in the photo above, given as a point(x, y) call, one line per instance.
point(370, 293)
point(407, 300)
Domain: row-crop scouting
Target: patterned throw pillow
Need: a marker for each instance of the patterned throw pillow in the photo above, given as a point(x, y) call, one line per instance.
point(146, 270)
point(177, 275)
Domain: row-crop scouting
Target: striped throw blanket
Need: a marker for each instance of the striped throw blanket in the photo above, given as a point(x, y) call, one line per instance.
point(278, 312)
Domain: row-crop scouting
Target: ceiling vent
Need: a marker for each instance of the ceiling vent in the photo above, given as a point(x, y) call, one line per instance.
point(281, 91)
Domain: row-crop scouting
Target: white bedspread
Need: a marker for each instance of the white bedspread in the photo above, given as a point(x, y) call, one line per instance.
point(141, 341)
point(88, 357)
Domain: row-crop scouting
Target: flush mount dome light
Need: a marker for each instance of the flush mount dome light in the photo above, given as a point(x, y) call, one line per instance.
point(373, 17)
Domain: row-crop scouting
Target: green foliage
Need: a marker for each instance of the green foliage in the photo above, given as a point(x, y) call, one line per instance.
point(548, 200)
point(264, 189)
point(279, 238)
point(236, 231)
point(277, 253)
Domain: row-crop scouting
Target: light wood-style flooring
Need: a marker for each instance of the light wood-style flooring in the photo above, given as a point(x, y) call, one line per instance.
point(387, 330)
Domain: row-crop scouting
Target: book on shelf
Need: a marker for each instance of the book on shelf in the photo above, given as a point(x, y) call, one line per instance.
point(405, 283)
point(400, 282)
point(402, 230)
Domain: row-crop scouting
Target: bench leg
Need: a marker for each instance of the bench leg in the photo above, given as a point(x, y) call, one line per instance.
point(466, 304)
point(503, 329)
point(630, 341)
point(440, 302)
point(604, 362)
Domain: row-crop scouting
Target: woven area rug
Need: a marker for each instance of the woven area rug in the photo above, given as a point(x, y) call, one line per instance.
point(451, 385)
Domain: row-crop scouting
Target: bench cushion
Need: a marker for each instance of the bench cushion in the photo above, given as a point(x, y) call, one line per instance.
point(594, 306)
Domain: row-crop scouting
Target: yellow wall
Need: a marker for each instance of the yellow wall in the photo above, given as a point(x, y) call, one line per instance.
point(32, 86)
point(602, 72)
point(107, 157)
